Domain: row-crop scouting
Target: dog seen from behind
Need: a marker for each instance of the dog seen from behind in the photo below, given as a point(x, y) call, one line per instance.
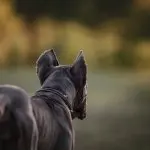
point(44, 121)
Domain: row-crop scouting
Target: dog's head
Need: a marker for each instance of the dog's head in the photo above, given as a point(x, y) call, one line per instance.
point(47, 65)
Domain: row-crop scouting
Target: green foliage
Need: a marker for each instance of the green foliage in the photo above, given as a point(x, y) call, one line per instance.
point(34, 9)
point(94, 12)
point(125, 58)
point(89, 12)
point(137, 26)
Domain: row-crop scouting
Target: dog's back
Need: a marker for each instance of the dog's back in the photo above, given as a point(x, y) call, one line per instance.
point(54, 122)
point(8, 128)
point(17, 124)
point(45, 122)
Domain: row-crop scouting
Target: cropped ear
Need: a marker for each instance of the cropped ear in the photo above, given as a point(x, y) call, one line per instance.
point(79, 69)
point(45, 63)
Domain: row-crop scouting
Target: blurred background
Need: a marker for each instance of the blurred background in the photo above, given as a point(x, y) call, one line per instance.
point(115, 37)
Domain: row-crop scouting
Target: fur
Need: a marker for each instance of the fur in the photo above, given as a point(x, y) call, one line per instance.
point(44, 121)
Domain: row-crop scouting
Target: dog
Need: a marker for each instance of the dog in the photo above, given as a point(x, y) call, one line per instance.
point(18, 129)
point(44, 121)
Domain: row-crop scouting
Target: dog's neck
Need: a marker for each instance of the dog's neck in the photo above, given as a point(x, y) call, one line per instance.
point(63, 88)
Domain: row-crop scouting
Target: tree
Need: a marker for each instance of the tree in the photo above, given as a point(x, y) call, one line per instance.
point(32, 10)
point(93, 12)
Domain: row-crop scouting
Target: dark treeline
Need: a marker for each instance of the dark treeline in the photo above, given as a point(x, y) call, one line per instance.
point(88, 12)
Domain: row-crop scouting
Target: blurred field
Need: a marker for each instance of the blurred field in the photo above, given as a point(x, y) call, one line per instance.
point(118, 108)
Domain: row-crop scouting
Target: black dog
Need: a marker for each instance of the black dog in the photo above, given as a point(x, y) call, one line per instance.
point(18, 129)
point(45, 121)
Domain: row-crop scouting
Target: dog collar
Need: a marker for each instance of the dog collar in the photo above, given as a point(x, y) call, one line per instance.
point(48, 91)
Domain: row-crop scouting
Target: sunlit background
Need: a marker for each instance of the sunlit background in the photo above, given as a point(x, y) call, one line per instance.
point(115, 37)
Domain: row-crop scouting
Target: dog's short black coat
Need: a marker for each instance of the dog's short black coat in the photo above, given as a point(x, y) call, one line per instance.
point(44, 121)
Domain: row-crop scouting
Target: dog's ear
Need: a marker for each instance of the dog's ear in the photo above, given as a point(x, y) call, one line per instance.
point(79, 68)
point(45, 63)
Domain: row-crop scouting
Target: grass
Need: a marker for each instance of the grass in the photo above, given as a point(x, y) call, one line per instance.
point(114, 121)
